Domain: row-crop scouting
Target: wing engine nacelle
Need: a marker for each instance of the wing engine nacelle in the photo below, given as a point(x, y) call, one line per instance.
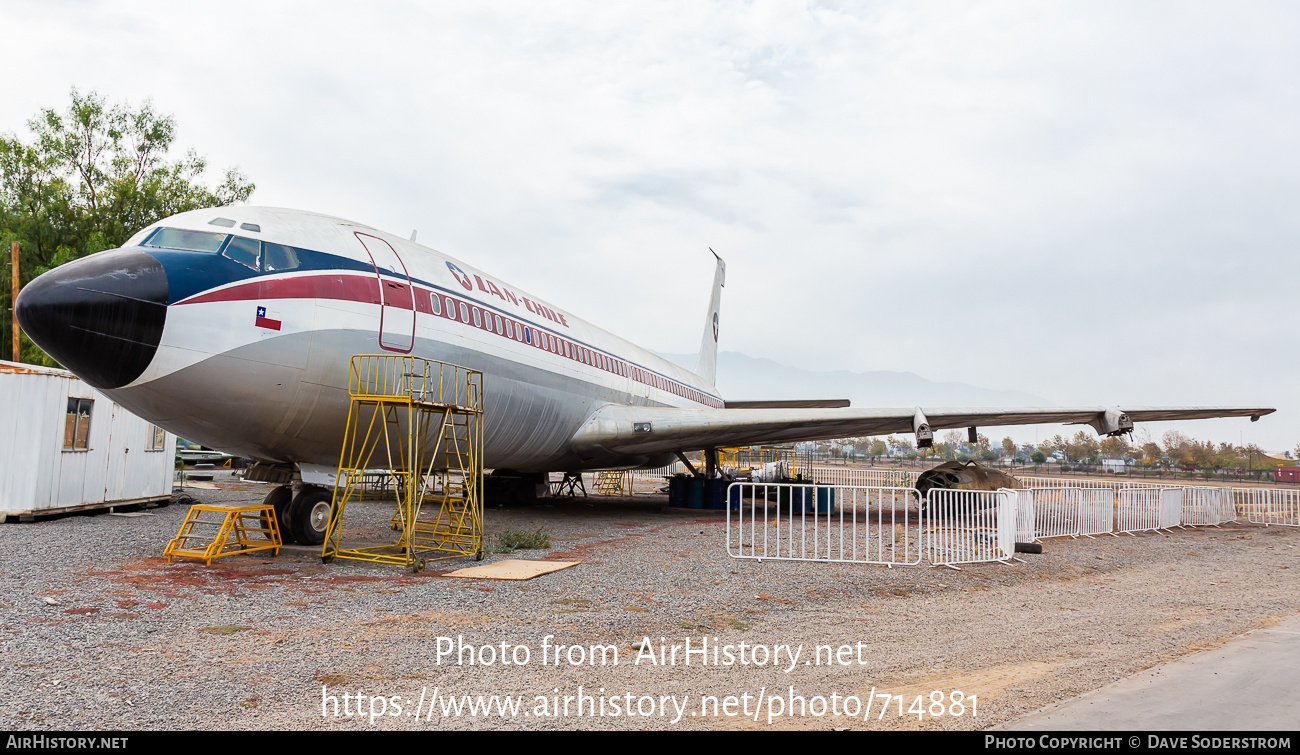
point(921, 426)
point(1112, 422)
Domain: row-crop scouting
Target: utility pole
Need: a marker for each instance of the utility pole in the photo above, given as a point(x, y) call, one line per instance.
point(13, 305)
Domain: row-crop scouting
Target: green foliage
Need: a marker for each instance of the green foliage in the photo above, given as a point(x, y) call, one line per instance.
point(89, 178)
point(510, 540)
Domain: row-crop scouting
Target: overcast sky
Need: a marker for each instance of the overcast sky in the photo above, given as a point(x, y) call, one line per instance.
point(1091, 202)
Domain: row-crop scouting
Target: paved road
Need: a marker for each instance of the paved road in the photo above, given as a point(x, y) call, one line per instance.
point(1252, 682)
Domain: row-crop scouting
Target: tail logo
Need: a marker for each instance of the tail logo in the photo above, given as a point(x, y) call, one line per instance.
point(715, 326)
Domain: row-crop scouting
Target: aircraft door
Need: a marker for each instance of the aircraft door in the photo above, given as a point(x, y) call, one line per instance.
point(397, 297)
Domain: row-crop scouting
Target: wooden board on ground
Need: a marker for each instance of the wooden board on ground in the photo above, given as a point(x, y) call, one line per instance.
point(512, 568)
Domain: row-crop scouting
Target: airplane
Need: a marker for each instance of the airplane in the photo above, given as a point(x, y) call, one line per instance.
point(233, 326)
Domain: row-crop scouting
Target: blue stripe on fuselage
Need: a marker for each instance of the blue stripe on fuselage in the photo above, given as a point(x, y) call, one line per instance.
point(190, 273)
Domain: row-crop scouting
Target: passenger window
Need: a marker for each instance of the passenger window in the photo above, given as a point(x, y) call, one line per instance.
point(464, 313)
point(451, 308)
point(478, 323)
point(436, 302)
point(279, 257)
point(246, 252)
point(500, 328)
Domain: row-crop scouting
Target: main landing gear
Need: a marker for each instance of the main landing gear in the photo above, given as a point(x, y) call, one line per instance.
point(303, 516)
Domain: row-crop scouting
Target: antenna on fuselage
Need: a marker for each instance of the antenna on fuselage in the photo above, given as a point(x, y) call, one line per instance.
point(412, 235)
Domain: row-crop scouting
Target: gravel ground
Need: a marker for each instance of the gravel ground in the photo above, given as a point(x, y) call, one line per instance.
point(248, 643)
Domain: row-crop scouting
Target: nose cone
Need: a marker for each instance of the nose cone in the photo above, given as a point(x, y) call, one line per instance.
point(101, 316)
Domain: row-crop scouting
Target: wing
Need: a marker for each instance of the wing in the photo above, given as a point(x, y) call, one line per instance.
point(646, 430)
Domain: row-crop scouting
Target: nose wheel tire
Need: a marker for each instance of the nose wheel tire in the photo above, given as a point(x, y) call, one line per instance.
point(280, 499)
point(309, 515)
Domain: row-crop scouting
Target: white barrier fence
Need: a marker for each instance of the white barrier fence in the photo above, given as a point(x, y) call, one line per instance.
point(970, 526)
point(1206, 506)
point(785, 522)
point(1026, 517)
point(1096, 512)
point(1268, 506)
point(1071, 512)
point(1148, 509)
point(891, 525)
point(869, 525)
point(869, 478)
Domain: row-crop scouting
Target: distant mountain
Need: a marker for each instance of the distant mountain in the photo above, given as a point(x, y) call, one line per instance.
point(744, 378)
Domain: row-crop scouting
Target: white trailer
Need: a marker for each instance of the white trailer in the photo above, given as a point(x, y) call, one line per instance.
point(64, 446)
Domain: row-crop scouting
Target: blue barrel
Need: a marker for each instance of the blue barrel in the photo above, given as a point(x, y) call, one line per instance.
point(825, 500)
point(733, 498)
point(695, 492)
point(802, 500)
point(715, 495)
point(677, 491)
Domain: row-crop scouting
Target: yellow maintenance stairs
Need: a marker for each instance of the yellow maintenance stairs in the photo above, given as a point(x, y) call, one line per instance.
point(422, 421)
point(614, 483)
point(205, 534)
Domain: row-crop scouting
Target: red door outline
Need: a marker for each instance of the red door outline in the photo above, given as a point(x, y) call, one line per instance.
point(386, 297)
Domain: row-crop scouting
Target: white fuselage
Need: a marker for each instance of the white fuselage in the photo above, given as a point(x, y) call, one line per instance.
point(257, 365)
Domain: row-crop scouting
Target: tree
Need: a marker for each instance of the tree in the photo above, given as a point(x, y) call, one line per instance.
point(1008, 447)
point(1115, 447)
point(90, 177)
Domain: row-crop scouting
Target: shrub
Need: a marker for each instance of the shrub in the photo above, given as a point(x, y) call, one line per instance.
point(511, 540)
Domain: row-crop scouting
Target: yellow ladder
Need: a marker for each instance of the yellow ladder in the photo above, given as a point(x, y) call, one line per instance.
point(254, 527)
point(614, 483)
point(422, 421)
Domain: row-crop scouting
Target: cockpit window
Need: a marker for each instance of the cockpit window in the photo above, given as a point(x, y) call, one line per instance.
point(279, 257)
point(223, 222)
point(254, 227)
point(192, 241)
point(247, 252)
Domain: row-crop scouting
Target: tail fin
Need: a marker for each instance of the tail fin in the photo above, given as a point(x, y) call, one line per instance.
point(707, 366)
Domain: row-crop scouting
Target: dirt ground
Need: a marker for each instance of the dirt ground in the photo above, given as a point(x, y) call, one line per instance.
point(99, 631)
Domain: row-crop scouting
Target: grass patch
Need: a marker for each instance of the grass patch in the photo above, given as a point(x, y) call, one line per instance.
point(227, 629)
point(511, 540)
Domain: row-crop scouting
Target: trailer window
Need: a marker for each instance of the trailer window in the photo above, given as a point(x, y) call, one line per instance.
point(157, 438)
point(76, 425)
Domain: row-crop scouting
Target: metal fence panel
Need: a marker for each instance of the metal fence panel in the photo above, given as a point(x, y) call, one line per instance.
point(1064, 482)
point(1269, 506)
point(869, 478)
point(1056, 512)
point(1026, 516)
point(1096, 511)
point(1138, 510)
point(830, 523)
point(970, 526)
point(1171, 508)
point(1208, 506)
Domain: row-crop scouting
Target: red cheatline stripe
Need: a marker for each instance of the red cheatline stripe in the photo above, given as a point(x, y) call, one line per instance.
point(364, 289)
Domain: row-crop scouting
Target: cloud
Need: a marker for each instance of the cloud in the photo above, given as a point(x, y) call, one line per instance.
point(1087, 202)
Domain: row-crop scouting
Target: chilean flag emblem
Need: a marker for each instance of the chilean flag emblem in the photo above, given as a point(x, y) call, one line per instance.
point(265, 322)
